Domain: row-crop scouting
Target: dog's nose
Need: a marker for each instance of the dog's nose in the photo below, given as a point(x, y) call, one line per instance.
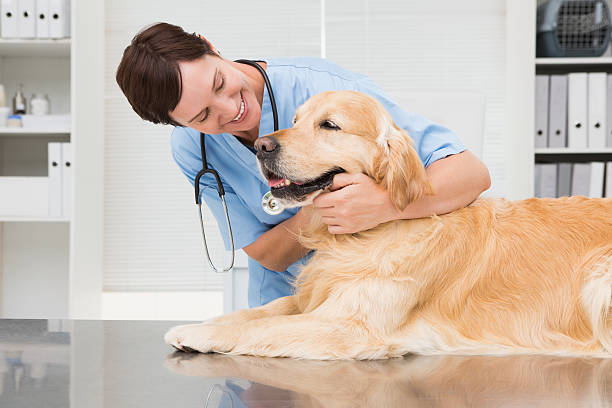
point(267, 144)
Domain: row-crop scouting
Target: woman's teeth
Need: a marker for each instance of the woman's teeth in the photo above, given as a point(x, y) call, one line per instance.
point(241, 111)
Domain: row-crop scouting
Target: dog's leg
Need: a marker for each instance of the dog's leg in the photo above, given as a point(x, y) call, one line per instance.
point(282, 306)
point(344, 326)
point(298, 336)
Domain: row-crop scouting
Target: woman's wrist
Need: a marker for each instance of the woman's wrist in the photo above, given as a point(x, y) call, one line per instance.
point(303, 216)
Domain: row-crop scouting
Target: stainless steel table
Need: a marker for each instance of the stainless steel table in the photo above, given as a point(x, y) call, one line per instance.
point(92, 364)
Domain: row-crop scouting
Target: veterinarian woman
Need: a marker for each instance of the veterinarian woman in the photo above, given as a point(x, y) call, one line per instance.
point(172, 77)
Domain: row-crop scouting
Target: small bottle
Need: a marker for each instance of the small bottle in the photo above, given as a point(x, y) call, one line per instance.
point(14, 121)
point(39, 104)
point(19, 101)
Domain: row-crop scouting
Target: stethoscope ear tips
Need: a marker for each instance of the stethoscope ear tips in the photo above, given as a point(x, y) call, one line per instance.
point(270, 204)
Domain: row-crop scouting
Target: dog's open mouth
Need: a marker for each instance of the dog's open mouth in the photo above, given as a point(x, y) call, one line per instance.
point(284, 188)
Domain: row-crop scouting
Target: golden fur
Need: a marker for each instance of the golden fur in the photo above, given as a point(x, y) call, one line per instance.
point(497, 277)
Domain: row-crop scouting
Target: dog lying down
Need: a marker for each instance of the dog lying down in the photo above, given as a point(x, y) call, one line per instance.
point(497, 277)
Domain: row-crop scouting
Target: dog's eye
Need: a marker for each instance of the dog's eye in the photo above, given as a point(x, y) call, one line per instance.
point(294, 119)
point(328, 124)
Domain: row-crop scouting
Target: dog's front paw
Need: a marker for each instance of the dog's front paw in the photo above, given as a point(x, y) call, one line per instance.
point(191, 337)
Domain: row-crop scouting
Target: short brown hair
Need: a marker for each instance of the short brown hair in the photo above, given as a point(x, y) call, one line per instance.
point(149, 74)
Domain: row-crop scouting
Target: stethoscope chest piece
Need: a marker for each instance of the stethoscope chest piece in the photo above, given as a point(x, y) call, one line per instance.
point(270, 204)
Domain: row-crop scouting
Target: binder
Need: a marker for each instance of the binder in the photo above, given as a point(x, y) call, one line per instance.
point(597, 180)
point(26, 21)
point(564, 181)
point(546, 180)
point(597, 115)
point(541, 114)
point(557, 114)
point(67, 170)
point(42, 19)
point(8, 20)
point(581, 179)
point(55, 179)
point(608, 192)
point(577, 110)
point(609, 109)
point(59, 22)
point(537, 182)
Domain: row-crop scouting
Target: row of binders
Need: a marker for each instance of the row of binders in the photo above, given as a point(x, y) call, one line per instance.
point(60, 179)
point(592, 179)
point(35, 18)
point(571, 110)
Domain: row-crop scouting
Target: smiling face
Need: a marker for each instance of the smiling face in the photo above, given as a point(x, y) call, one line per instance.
point(335, 132)
point(216, 97)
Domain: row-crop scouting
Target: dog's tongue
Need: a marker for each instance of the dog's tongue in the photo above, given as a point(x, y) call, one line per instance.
point(273, 182)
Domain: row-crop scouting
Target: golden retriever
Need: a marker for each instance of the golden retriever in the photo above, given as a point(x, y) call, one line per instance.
point(496, 277)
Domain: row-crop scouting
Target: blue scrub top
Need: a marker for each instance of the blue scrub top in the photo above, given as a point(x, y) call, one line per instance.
point(293, 81)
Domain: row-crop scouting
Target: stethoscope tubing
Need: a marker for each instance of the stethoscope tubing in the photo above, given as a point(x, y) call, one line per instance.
point(266, 200)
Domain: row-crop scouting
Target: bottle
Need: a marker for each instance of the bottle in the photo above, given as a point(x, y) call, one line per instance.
point(39, 104)
point(14, 121)
point(19, 101)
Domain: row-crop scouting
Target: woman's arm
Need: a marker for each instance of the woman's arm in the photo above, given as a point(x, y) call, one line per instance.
point(457, 181)
point(278, 248)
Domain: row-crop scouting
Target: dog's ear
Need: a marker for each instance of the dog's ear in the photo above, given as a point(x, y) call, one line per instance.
point(398, 167)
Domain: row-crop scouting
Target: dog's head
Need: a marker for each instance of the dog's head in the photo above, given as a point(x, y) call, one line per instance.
point(340, 131)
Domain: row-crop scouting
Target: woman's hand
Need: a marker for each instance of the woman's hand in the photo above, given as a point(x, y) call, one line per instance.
point(355, 203)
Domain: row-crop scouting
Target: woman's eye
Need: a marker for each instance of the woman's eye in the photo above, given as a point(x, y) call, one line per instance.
point(328, 124)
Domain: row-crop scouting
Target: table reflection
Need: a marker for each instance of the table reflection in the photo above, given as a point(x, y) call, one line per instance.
point(97, 364)
point(34, 360)
point(432, 381)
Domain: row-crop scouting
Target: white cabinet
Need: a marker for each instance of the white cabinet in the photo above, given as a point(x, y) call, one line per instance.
point(35, 246)
point(50, 266)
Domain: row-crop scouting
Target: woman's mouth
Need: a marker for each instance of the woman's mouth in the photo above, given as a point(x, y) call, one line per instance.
point(242, 112)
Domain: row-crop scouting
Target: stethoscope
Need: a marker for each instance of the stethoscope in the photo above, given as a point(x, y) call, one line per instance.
point(269, 204)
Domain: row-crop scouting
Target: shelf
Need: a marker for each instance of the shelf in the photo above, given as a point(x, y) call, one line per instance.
point(556, 155)
point(19, 218)
point(567, 150)
point(574, 61)
point(561, 66)
point(32, 132)
point(59, 48)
